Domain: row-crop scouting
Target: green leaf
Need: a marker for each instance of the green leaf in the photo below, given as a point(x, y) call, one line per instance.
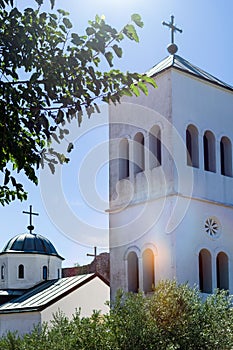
point(117, 50)
point(109, 57)
point(90, 31)
point(70, 147)
point(76, 39)
point(54, 136)
point(7, 177)
point(90, 110)
point(80, 117)
point(130, 32)
point(52, 2)
point(52, 167)
point(62, 12)
point(34, 77)
point(149, 80)
point(137, 20)
point(60, 117)
point(39, 2)
point(142, 86)
point(67, 22)
point(134, 89)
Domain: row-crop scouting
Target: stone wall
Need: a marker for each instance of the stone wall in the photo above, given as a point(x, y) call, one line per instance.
point(101, 265)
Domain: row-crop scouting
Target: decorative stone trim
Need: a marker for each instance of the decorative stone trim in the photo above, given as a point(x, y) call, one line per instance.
point(212, 227)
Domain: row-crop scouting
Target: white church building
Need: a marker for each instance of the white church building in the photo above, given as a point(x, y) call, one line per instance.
point(170, 205)
point(32, 289)
point(171, 184)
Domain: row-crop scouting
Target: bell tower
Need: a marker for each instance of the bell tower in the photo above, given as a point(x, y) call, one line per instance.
point(171, 181)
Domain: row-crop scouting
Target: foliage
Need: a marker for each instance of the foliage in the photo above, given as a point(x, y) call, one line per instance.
point(48, 76)
point(173, 317)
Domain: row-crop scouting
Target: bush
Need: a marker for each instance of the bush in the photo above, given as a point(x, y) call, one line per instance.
point(173, 317)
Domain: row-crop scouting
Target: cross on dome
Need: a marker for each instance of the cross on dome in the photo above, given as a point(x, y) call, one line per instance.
point(172, 48)
point(30, 212)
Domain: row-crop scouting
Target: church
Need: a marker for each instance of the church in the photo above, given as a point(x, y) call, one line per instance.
point(170, 202)
point(171, 185)
point(34, 287)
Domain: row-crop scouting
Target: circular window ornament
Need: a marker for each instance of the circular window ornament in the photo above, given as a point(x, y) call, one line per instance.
point(212, 227)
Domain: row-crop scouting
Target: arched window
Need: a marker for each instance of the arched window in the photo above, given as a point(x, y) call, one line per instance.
point(209, 151)
point(123, 159)
point(58, 273)
point(2, 272)
point(222, 271)
point(45, 273)
point(205, 271)
point(139, 156)
point(192, 146)
point(155, 156)
point(226, 156)
point(148, 270)
point(133, 281)
point(21, 271)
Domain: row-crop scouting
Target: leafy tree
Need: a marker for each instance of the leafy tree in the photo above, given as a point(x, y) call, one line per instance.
point(173, 317)
point(48, 76)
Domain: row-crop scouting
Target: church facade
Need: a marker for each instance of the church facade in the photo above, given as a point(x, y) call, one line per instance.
point(171, 197)
point(33, 288)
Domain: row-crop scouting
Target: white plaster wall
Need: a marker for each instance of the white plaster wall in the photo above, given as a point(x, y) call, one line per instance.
point(191, 237)
point(133, 115)
point(208, 107)
point(89, 297)
point(33, 265)
point(148, 210)
point(19, 322)
point(135, 228)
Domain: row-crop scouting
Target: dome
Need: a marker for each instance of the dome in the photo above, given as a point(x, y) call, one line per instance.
point(30, 243)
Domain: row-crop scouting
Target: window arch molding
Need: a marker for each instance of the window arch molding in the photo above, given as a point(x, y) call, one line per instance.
point(155, 146)
point(135, 249)
point(21, 271)
point(192, 145)
point(124, 157)
point(148, 270)
point(132, 271)
point(209, 151)
point(3, 271)
point(139, 152)
point(226, 156)
point(222, 270)
point(45, 272)
point(205, 258)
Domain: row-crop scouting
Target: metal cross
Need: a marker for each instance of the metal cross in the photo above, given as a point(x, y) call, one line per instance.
point(30, 212)
point(95, 253)
point(173, 28)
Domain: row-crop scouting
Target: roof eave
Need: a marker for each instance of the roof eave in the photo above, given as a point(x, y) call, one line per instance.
point(223, 86)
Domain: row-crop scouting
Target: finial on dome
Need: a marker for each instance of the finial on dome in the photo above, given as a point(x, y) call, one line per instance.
point(30, 227)
point(172, 47)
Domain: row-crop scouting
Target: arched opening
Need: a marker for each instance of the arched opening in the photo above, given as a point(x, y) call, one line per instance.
point(133, 281)
point(2, 272)
point(226, 156)
point(209, 151)
point(148, 270)
point(21, 271)
point(192, 146)
point(155, 156)
point(139, 155)
point(205, 271)
point(222, 271)
point(45, 273)
point(123, 159)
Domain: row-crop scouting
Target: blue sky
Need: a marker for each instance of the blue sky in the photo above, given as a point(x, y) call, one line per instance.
point(72, 206)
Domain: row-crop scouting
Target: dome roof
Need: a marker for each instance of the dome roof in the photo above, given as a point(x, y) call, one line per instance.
point(30, 243)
